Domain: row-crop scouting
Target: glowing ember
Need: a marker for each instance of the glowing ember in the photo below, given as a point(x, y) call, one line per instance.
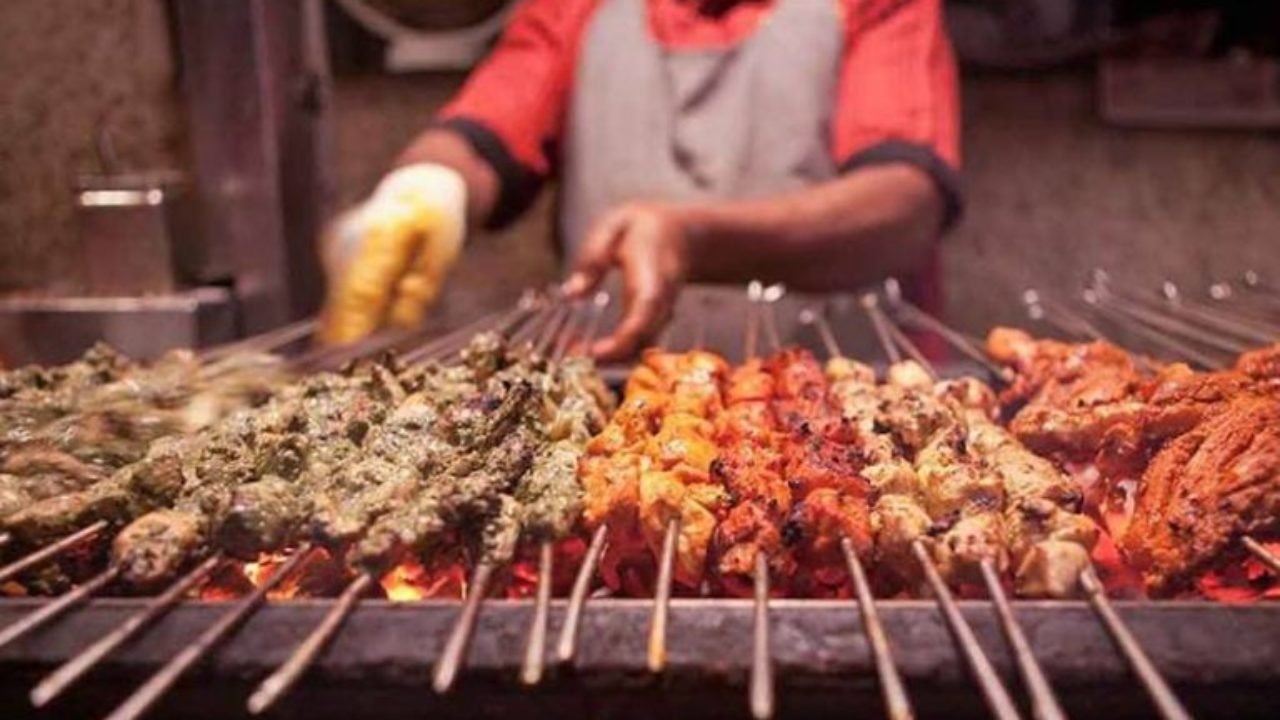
point(410, 581)
point(1243, 582)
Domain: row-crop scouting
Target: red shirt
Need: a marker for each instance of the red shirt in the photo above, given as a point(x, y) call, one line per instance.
point(896, 100)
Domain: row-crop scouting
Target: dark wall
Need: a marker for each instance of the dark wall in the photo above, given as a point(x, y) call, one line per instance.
point(74, 73)
point(1053, 193)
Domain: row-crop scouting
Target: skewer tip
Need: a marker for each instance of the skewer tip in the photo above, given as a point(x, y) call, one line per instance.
point(536, 648)
point(567, 645)
point(762, 694)
point(657, 659)
point(456, 646)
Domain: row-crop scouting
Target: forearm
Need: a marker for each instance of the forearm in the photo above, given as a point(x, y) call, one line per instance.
point(838, 235)
point(446, 147)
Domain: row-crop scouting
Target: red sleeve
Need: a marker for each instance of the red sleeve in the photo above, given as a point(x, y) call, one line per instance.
point(898, 96)
point(512, 107)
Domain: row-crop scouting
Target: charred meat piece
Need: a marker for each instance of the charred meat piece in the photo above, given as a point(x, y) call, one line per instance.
point(156, 547)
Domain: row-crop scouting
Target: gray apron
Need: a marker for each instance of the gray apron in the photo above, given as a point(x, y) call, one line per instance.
point(649, 123)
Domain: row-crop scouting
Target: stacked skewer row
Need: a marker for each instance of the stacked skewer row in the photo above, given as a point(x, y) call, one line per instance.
point(778, 477)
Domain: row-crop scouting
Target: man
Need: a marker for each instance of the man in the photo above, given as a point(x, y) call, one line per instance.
point(812, 142)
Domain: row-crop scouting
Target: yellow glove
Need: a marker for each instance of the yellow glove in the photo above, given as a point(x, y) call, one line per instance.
point(387, 258)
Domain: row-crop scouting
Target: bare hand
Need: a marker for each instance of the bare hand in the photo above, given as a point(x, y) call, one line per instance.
point(648, 244)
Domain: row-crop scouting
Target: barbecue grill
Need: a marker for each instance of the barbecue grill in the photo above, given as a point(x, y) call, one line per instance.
point(594, 656)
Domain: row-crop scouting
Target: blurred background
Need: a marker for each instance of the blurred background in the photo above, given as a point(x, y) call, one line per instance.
point(165, 164)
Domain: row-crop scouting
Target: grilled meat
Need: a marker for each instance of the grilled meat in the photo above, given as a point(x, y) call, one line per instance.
point(252, 457)
point(1204, 490)
point(652, 464)
point(750, 468)
point(93, 446)
point(823, 458)
point(505, 467)
point(99, 365)
point(1260, 364)
point(1048, 538)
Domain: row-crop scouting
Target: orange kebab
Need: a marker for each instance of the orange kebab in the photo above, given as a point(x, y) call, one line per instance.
point(823, 458)
point(750, 466)
point(652, 465)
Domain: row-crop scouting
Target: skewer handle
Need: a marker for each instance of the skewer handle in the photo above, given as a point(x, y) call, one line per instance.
point(568, 644)
point(993, 690)
point(459, 642)
point(762, 694)
point(49, 552)
point(1167, 704)
point(1259, 551)
point(1044, 704)
point(662, 599)
point(278, 684)
point(53, 610)
point(62, 678)
point(896, 703)
point(536, 650)
point(153, 689)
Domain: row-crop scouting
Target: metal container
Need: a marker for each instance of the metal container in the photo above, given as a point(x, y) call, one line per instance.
point(139, 236)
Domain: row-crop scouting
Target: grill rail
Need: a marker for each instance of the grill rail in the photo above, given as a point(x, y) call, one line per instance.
point(1223, 660)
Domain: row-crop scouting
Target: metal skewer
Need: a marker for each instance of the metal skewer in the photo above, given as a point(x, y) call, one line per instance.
point(1167, 704)
point(768, 298)
point(153, 689)
point(890, 333)
point(51, 551)
point(1244, 328)
point(1168, 318)
point(1255, 307)
point(1259, 551)
point(57, 608)
point(334, 356)
point(1033, 675)
point(59, 680)
point(287, 675)
point(535, 649)
point(878, 323)
point(983, 672)
point(1178, 348)
point(657, 646)
point(503, 321)
point(993, 690)
point(1248, 291)
point(1160, 319)
point(1044, 704)
point(916, 316)
point(456, 647)
point(568, 643)
point(1042, 309)
point(762, 696)
point(264, 342)
point(896, 702)
point(662, 598)
point(459, 641)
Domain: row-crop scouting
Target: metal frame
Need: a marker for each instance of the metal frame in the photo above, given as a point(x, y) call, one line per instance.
point(255, 81)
